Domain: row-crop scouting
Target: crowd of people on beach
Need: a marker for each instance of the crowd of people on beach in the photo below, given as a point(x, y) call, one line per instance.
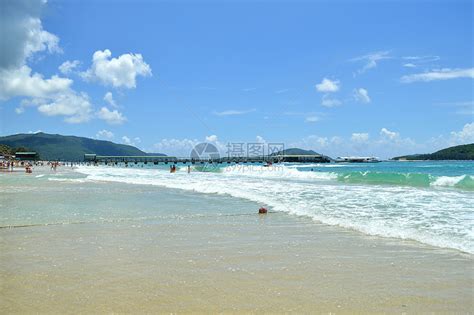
point(10, 165)
point(28, 166)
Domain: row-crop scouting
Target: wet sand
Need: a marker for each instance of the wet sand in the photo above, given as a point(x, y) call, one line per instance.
point(207, 253)
point(272, 263)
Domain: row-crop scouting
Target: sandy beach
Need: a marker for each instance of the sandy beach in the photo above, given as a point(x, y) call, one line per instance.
point(211, 253)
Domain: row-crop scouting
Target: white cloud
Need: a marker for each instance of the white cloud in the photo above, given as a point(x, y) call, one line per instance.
point(109, 98)
point(20, 82)
point(315, 142)
point(117, 72)
point(183, 147)
point(134, 142)
point(76, 107)
point(113, 117)
point(68, 66)
point(359, 137)
point(361, 95)
point(371, 60)
point(387, 134)
point(22, 33)
point(463, 136)
point(466, 135)
point(105, 134)
point(328, 86)
point(126, 140)
point(23, 37)
point(312, 119)
point(212, 138)
point(52, 97)
point(439, 74)
point(233, 112)
point(260, 139)
point(330, 102)
point(176, 147)
point(281, 91)
point(387, 144)
point(415, 61)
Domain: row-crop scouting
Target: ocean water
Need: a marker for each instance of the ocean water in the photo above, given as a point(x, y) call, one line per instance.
point(429, 202)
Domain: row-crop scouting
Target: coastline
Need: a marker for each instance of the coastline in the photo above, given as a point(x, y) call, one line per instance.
point(214, 253)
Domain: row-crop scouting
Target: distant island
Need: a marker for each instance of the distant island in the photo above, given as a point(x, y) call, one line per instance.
point(68, 148)
point(459, 152)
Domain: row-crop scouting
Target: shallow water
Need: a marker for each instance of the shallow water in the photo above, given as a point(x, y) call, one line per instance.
point(424, 201)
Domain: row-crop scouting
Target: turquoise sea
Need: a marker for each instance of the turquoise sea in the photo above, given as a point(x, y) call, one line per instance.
point(429, 202)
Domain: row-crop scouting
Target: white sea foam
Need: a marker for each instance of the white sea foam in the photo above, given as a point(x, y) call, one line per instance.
point(440, 218)
point(448, 180)
point(72, 180)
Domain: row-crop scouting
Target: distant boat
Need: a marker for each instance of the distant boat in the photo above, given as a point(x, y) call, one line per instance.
point(356, 159)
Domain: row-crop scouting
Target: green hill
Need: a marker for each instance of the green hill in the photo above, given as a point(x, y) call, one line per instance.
point(71, 148)
point(459, 152)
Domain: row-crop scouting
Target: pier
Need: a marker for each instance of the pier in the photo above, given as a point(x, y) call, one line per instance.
point(158, 159)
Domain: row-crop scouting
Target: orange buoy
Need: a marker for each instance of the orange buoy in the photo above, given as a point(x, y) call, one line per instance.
point(262, 210)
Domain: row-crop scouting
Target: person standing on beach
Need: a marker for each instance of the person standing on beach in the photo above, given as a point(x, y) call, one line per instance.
point(189, 169)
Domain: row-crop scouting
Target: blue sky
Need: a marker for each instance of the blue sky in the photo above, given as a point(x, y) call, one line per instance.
point(340, 77)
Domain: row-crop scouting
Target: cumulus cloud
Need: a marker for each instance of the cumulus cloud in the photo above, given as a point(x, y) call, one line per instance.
point(22, 33)
point(183, 147)
point(113, 117)
point(75, 106)
point(117, 72)
point(176, 147)
point(260, 139)
point(327, 86)
point(52, 97)
point(20, 82)
point(68, 66)
point(359, 137)
point(361, 95)
point(105, 134)
point(391, 135)
point(387, 144)
point(22, 37)
point(326, 101)
point(464, 136)
point(439, 74)
point(371, 60)
point(128, 141)
point(109, 98)
point(234, 112)
point(320, 144)
point(212, 138)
